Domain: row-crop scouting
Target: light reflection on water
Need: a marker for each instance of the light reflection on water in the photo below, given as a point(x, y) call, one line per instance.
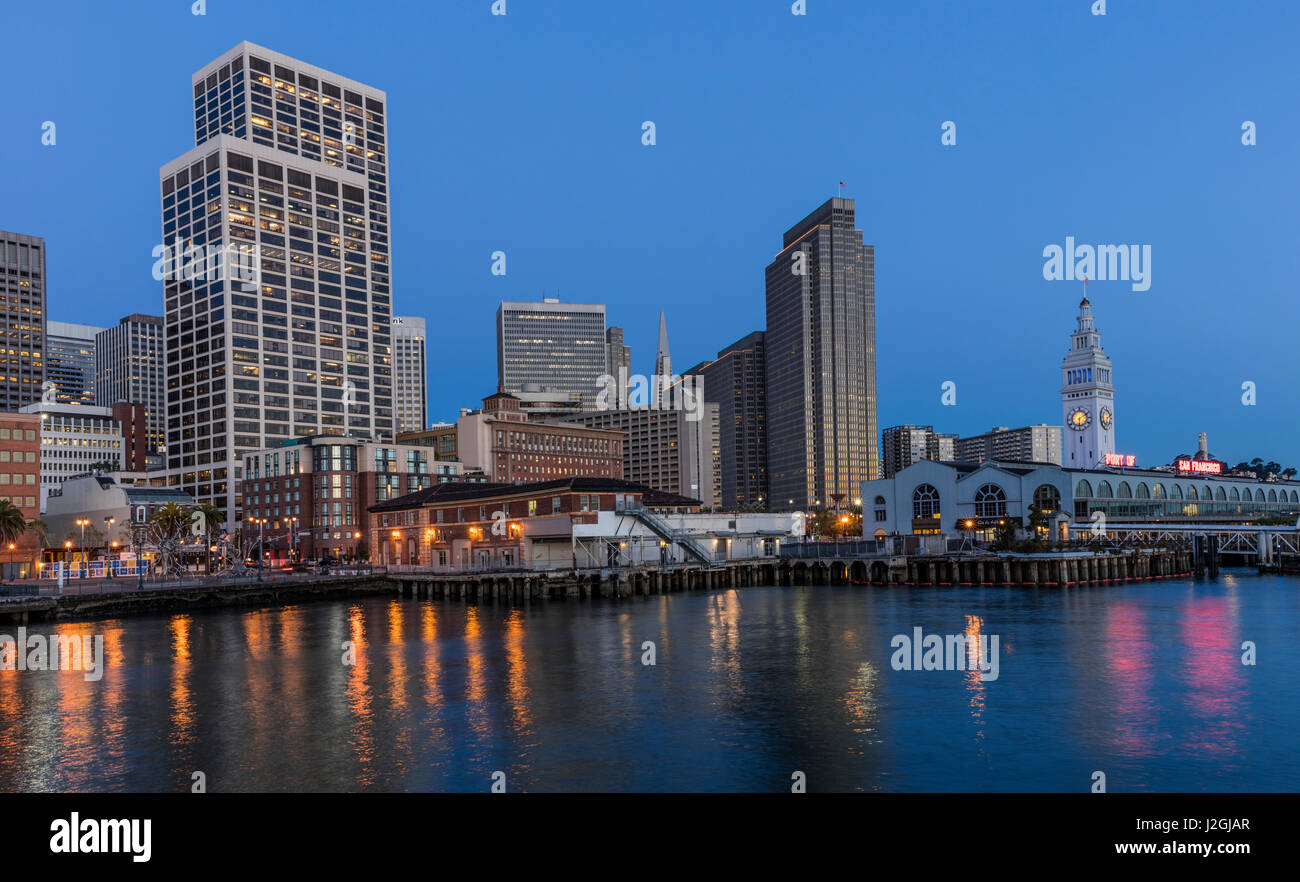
point(1142, 682)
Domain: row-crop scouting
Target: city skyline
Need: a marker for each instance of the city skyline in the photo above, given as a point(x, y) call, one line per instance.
point(957, 253)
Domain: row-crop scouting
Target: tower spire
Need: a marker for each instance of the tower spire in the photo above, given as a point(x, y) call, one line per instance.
point(663, 361)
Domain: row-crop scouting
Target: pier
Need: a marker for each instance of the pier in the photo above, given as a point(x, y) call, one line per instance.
point(1061, 570)
point(1056, 570)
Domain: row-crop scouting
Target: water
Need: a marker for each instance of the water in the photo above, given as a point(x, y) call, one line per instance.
point(1143, 682)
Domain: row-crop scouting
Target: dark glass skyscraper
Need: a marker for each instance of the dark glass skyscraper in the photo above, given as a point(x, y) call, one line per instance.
point(821, 361)
point(736, 382)
point(22, 322)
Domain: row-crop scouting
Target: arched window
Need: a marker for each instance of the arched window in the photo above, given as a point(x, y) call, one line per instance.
point(1158, 491)
point(1125, 491)
point(1259, 495)
point(1104, 491)
point(880, 500)
point(1219, 494)
point(990, 502)
point(1047, 498)
point(1083, 490)
point(1272, 496)
point(1293, 497)
point(881, 511)
point(925, 502)
point(1235, 495)
point(1191, 492)
point(1175, 492)
point(1142, 491)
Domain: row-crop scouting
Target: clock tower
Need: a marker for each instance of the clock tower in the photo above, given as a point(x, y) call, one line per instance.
point(1087, 397)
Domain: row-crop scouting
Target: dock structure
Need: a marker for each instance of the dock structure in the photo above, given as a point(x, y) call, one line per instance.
point(1062, 570)
point(1030, 571)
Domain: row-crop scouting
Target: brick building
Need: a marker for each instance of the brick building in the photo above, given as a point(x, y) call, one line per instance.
point(20, 486)
point(135, 435)
point(510, 448)
point(313, 492)
point(480, 526)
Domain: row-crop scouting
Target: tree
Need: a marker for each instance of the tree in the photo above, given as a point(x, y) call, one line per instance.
point(41, 530)
point(211, 521)
point(12, 522)
point(171, 519)
point(1038, 523)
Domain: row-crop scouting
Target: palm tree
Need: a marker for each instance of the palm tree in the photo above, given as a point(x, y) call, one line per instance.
point(209, 527)
point(171, 519)
point(212, 519)
point(12, 522)
point(41, 530)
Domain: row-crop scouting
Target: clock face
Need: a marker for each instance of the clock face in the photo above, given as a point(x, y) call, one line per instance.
point(1080, 419)
point(1106, 418)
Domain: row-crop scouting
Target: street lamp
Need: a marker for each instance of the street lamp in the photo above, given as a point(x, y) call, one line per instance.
point(261, 523)
point(138, 530)
point(83, 523)
point(292, 539)
point(109, 521)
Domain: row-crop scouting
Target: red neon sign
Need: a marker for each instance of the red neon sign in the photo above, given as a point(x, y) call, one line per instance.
point(1121, 460)
point(1200, 466)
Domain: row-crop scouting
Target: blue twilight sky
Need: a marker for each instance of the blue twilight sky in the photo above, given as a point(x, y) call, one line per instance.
point(523, 133)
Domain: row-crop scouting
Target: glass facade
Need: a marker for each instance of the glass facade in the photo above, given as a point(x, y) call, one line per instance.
point(22, 319)
point(553, 345)
point(70, 362)
point(821, 361)
point(129, 367)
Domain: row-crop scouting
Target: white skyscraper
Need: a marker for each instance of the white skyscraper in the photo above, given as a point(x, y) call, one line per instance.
point(410, 374)
point(1087, 396)
point(291, 169)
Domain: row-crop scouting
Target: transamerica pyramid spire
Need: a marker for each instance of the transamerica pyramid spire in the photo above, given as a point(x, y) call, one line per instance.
point(663, 361)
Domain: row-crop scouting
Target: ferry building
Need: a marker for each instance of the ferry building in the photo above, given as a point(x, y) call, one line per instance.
point(929, 498)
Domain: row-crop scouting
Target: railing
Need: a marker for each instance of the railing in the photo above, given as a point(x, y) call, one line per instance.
point(842, 548)
point(664, 531)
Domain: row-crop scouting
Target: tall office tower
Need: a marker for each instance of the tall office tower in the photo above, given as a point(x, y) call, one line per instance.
point(552, 345)
point(129, 368)
point(616, 353)
point(735, 382)
point(618, 364)
point(821, 361)
point(22, 322)
point(290, 178)
point(70, 361)
point(410, 374)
